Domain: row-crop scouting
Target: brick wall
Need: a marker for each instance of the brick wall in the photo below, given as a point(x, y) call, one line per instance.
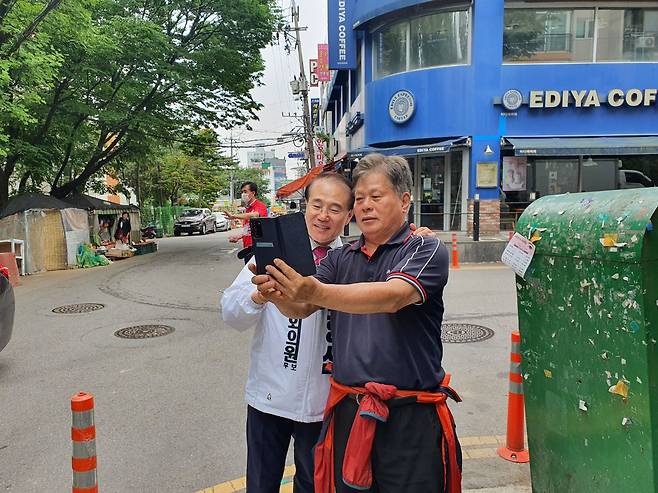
point(489, 217)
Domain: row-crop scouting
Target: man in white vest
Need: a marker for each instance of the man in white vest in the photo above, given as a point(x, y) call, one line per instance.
point(287, 386)
point(288, 382)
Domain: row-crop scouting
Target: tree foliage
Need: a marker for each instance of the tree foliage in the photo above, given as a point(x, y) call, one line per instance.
point(110, 81)
point(193, 172)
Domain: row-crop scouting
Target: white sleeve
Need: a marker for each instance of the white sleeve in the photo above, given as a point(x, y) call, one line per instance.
point(238, 310)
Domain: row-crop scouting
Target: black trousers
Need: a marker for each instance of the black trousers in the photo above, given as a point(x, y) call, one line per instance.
point(406, 455)
point(268, 439)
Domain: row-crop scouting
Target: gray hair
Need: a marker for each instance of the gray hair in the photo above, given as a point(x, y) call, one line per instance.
point(395, 168)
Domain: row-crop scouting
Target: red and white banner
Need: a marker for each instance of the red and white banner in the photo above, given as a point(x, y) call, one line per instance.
point(319, 152)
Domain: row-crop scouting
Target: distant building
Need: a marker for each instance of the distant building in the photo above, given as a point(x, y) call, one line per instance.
point(118, 198)
point(257, 157)
point(269, 163)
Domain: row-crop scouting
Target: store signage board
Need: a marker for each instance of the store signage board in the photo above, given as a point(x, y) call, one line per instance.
point(315, 111)
point(513, 99)
point(313, 72)
point(401, 106)
point(487, 174)
point(324, 75)
point(296, 155)
point(342, 37)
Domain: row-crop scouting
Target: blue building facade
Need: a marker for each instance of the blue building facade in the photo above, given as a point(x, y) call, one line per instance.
point(500, 100)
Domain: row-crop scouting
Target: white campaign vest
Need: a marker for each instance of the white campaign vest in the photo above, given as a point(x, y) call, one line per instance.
point(286, 371)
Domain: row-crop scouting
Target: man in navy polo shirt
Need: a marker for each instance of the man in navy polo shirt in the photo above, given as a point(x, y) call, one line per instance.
point(387, 426)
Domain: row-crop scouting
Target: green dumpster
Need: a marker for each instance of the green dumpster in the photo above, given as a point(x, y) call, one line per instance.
point(588, 317)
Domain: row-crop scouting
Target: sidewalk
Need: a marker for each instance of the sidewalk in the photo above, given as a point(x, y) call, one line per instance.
point(481, 465)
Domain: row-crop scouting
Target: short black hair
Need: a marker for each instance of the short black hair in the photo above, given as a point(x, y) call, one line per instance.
point(252, 186)
point(338, 178)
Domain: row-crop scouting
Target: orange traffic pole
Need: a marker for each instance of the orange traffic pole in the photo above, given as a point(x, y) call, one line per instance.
point(455, 254)
point(515, 450)
point(83, 436)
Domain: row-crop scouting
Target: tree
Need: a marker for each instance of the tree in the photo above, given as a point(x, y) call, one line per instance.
point(133, 73)
point(194, 168)
point(28, 66)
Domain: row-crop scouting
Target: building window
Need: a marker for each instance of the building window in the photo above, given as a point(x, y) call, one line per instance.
point(548, 35)
point(576, 35)
point(627, 35)
point(433, 40)
point(391, 46)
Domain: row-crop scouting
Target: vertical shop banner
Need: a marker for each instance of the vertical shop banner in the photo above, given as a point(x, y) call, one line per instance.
point(315, 112)
point(342, 37)
point(319, 152)
point(323, 63)
point(313, 72)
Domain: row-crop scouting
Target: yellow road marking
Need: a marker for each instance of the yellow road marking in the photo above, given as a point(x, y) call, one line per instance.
point(473, 448)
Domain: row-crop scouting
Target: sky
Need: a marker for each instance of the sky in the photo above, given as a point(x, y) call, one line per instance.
point(280, 68)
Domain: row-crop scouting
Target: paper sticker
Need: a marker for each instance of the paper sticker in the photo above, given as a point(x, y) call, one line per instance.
point(518, 254)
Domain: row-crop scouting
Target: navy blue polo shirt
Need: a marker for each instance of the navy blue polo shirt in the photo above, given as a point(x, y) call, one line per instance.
point(404, 348)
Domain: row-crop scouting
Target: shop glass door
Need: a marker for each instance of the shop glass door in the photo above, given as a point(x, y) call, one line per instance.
point(439, 192)
point(456, 191)
point(432, 191)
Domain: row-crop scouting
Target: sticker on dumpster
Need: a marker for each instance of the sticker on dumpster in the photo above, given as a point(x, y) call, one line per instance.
point(518, 254)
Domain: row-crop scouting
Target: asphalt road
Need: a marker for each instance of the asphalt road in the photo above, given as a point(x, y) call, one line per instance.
point(170, 410)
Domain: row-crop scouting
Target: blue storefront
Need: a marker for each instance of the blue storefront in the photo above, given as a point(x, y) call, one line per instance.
point(505, 100)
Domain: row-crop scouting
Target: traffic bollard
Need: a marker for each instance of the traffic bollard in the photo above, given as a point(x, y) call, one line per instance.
point(83, 436)
point(515, 450)
point(455, 254)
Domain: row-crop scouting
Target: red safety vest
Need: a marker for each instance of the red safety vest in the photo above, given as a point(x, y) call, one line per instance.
point(357, 469)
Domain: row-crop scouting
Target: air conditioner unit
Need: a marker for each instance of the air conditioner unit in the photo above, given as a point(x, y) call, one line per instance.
point(645, 42)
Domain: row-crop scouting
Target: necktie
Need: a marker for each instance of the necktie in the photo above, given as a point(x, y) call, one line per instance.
point(319, 253)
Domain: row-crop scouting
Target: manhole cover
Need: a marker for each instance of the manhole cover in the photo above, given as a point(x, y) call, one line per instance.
point(79, 308)
point(460, 333)
point(144, 331)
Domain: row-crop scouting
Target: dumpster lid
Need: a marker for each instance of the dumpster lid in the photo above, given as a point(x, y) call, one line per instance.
point(610, 225)
point(582, 146)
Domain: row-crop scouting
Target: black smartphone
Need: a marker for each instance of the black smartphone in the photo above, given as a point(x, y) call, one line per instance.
point(283, 237)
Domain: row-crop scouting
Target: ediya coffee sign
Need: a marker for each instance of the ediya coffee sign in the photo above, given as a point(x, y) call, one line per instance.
point(513, 99)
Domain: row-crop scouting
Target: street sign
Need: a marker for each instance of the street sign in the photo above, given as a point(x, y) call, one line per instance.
point(296, 155)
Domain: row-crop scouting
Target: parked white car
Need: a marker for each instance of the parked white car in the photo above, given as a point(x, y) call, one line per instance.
point(221, 221)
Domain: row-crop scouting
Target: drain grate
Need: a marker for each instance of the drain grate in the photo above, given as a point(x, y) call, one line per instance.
point(462, 333)
point(144, 331)
point(79, 308)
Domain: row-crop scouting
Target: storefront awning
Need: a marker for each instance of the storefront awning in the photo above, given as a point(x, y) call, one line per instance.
point(582, 146)
point(440, 147)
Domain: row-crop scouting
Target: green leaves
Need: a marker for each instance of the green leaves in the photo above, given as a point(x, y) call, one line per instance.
point(101, 81)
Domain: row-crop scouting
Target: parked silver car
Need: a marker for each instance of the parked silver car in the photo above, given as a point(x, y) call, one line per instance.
point(6, 311)
point(221, 221)
point(195, 220)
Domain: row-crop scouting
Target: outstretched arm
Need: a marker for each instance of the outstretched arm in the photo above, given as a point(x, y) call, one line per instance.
point(284, 286)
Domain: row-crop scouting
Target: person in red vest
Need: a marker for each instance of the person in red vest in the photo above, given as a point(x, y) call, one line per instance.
point(387, 427)
point(254, 208)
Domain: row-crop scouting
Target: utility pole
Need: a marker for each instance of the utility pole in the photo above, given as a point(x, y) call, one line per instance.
point(308, 125)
